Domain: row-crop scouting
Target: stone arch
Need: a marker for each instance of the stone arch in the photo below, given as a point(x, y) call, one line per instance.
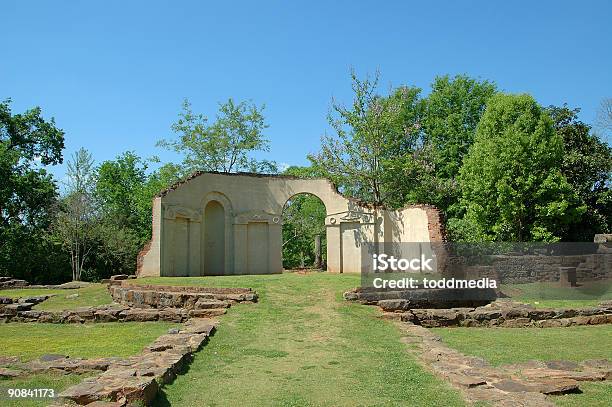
point(314, 194)
point(217, 215)
point(319, 187)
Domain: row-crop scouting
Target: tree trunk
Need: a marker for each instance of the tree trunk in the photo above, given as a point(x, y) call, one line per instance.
point(317, 249)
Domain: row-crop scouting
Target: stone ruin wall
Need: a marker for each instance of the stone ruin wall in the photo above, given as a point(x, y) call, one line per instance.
point(508, 269)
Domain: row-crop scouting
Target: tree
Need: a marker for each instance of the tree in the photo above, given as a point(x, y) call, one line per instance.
point(587, 165)
point(369, 137)
point(604, 115)
point(28, 193)
point(224, 145)
point(451, 114)
point(511, 180)
point(453, 110)
point(76, 222)
point(125, 191)
point(119, 188)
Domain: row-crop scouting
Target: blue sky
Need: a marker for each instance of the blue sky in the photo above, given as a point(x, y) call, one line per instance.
point(114, 73)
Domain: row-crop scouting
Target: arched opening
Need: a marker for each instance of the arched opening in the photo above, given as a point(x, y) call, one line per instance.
point(304, 233)
point(214, 239)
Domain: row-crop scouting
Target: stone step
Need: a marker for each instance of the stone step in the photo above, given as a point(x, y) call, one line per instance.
point(204, 303)
point(207, 313)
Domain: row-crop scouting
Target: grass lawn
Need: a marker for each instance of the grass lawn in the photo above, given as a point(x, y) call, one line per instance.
point(509, 345)
point(31, 340)
point(95, 294)
point(302, 345)
point(55, 381)
point(554, 296)
point(595, 394)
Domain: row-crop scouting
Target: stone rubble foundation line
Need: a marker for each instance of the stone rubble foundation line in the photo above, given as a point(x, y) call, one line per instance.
point(505, 314)
point(134, 302)
point(522, 384)
point(499, 313)
point(136, 379)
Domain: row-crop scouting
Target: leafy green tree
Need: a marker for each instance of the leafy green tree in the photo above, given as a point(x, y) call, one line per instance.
point(125, 191)
point(370, 135)
point(451, 114)
point(225, 145)
point(76, 223)
point(120, 189)
point(28, 193)
point(511, 180)
point(587, 165)
point(453, 110)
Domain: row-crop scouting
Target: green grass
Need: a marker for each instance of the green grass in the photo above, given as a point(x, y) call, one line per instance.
point(56, 381)
point(510, 345)
point(92, 295)
point(31, 340)
point(552, 295)
point(594, 394)
point(302, 345)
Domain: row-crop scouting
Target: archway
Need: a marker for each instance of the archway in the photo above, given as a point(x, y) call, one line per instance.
point(304, 233)
point(214, 239)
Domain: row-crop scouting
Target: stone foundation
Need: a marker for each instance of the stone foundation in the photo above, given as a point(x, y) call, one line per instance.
point(504, 314)
point(123, 381)
point(423, 297)
point(10, 282)
point(137, 379)
point(531, 268)
point(108, 313)
point(523, 384)
point(189, 298)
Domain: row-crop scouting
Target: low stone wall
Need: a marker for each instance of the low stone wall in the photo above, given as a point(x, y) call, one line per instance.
point(108, 313)
point(524, 384)
point(138, 379)
point(10, 282)
point(152, 296)
point(521, 269)
point(11, 306)
point(505, 314)
point(424, 297)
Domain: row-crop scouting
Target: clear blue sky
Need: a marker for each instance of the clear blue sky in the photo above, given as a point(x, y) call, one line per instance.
point(114, 73)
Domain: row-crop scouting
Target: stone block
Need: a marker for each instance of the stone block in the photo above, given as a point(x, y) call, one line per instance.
point(581, 320)
point(173, 314)
point(23, 306)
point(465, 380)
point(481, 314)
point(557, 386)
point(9, 373)
point(204, 303)
point(207, 313)
point(141, 315)
point(516, 323)
point(107, 315)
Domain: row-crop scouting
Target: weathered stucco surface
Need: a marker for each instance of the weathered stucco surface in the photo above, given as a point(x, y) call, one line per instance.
point(219, 224)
